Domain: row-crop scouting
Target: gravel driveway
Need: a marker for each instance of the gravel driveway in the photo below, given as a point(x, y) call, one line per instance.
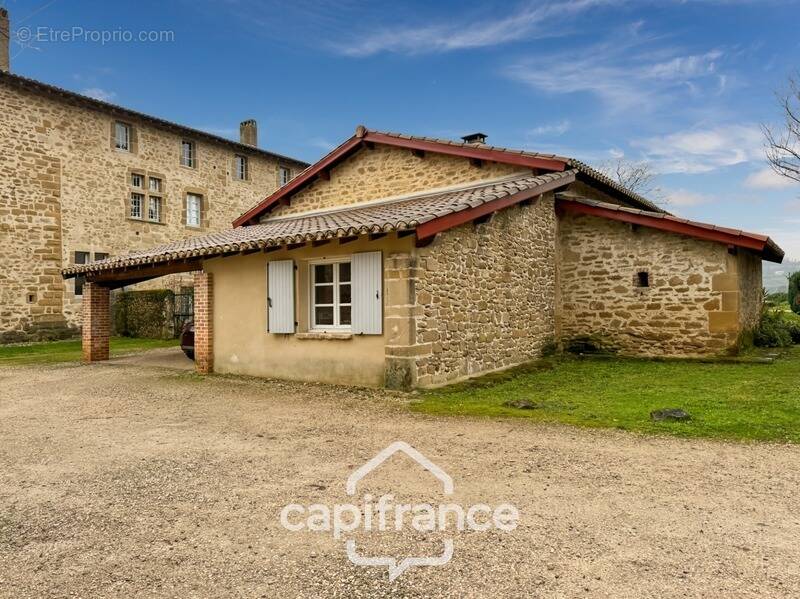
point(125, 480)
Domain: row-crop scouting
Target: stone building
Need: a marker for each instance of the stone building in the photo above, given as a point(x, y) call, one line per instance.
point(411, 262)
point(82, 179)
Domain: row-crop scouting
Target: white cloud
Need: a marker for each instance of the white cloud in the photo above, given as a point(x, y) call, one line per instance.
point(99, 94)
point(702, 150)
point(767, 178)
point(624, 75)
point(530, 21)
point(553, 129)
point(684, 198)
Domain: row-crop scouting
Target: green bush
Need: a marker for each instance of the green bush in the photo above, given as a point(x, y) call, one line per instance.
point(144, 314)
point(793, 325)
point(777, 329)
point(794, 292)
point(777, 299)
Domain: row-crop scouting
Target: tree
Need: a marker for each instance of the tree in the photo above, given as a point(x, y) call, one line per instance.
point(639, 177)
point(794, 292)
point(783, 146)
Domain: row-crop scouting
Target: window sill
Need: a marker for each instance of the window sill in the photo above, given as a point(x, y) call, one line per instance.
point(325, 335)
point(145, 221)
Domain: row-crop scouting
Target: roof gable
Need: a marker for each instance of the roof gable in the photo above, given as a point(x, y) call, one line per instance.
point(761, 244)
point(480, 152)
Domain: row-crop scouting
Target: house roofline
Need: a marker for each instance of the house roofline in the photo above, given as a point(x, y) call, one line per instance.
point(761, 244)
point(366, 138)
point(34, 86)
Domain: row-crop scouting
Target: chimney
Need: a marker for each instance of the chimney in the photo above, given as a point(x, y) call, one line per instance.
point(475, 138)
point(248, 133)
point(5, 41)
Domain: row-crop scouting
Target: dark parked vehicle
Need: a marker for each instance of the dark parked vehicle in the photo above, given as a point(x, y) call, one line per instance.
point(187, 340)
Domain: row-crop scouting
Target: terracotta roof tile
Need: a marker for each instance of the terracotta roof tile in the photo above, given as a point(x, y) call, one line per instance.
point(374, 217)
point(771, 252)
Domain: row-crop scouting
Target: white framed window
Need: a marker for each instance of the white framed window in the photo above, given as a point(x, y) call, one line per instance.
point(154, 209)
point(188, 154)
point(331, 293)
point(137, 200)
point(122, 136)
point(194, 205)
point(137, 181)
point(240, 163)
point(284, 175)
point(155, 184)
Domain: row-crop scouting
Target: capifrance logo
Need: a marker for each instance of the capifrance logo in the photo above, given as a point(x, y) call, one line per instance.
point(380, 514)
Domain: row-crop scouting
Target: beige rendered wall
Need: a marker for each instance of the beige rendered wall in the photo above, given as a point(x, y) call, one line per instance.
point(386, 171)
point(692, 306)
point(63, 188)
point(242, 344)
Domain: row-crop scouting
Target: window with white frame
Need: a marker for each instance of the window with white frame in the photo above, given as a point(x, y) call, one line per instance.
point(137, 200)
point(194, 204)
point(284, 175)
point(188, 154)
point(122, 136)
point(154, 209)
point(241, 167)
point(155, 184)
point(137, 181)
point(331, 295)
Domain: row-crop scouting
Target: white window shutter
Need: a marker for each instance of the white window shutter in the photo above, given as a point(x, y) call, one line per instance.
point(367, 291)
point(280, 296)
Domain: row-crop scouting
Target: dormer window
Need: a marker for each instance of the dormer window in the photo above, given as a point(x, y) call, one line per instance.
point(122, 136)
point(284, 175)
point(188, 154)
point(240, 167)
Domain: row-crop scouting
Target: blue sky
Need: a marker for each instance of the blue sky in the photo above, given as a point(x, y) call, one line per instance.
point(682, 84)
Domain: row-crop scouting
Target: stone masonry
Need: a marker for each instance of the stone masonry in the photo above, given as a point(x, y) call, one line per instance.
point(478, 299)
point(487, 293)
point(699, 299)
point(386, 172)
point(65, 189)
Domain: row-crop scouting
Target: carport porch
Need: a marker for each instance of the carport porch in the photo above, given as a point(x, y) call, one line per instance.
point(96, 330)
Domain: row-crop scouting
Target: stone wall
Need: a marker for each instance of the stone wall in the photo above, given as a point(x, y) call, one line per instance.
point(386, 171)
point(486, 295)
point(751, 298)
point(31, 288)
point(691, 306)
point(63, 188)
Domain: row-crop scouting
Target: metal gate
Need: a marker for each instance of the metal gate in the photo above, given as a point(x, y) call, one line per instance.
point(183, 308)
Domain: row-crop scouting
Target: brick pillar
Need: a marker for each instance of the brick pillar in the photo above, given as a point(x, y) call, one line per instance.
point(96, 322)
point(203, 322)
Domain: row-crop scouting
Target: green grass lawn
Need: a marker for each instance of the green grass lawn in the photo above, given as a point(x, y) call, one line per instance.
point(70, 351)
point(726, 401)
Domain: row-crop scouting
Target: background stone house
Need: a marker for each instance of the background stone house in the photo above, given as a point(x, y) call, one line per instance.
point(410, 262)
point(82, 179)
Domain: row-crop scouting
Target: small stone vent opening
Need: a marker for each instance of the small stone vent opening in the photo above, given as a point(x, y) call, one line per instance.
point(643, 278)
point(31, 298)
